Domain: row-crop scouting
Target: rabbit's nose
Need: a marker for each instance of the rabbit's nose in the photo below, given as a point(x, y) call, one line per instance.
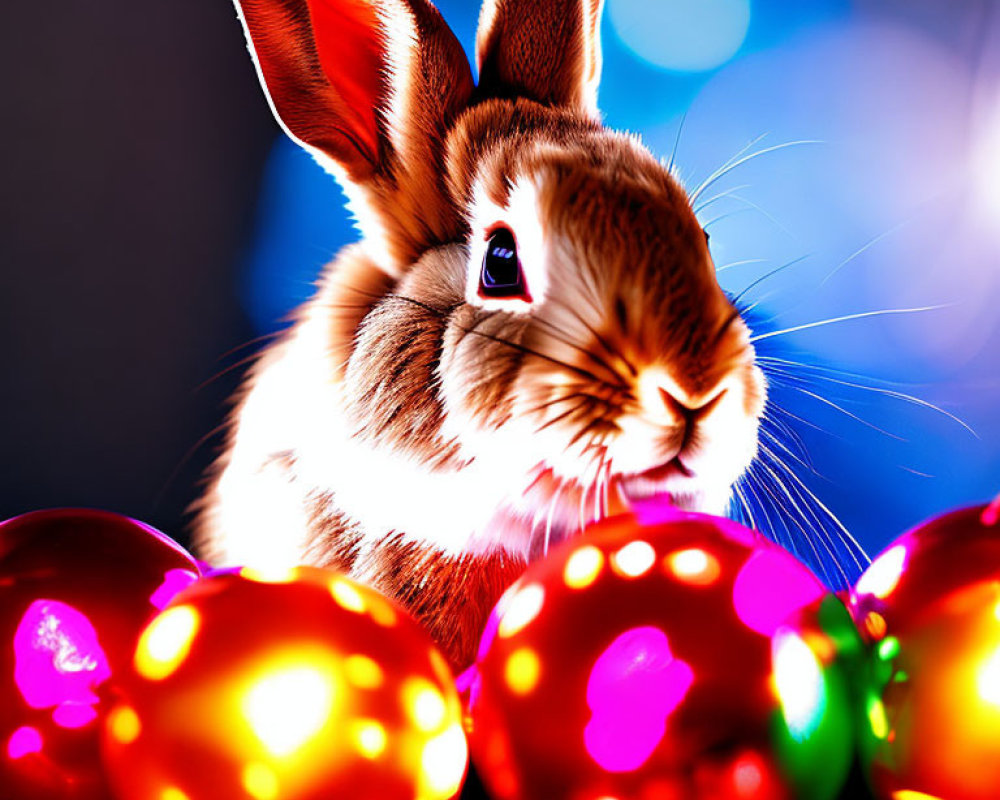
point(665, 400)
point(688, 409)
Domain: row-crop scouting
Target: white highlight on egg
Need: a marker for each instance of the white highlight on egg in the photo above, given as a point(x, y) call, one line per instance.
point(883, 574)
point(634, 559)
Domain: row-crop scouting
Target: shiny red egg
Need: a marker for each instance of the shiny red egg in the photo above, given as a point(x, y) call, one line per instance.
point(663, 655)
point(76, 588)
point(298, 686)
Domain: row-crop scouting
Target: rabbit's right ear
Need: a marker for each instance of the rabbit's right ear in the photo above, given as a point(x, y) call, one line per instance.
point(371, 86)
point(546, 50)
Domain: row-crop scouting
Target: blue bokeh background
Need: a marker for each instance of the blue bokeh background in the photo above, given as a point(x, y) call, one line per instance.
point(886, 204)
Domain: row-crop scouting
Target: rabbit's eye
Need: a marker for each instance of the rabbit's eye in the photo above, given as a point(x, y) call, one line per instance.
point(501, 275)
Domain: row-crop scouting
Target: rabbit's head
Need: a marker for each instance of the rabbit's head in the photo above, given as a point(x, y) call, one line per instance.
point(537, 301)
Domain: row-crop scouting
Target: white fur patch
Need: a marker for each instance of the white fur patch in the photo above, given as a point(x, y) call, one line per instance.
point(295, 407)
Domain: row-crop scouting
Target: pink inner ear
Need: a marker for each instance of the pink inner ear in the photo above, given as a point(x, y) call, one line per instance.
point(349, 42)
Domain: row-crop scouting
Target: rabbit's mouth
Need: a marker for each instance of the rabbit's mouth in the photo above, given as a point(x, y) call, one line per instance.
point(673, 468)
point(674, 480)
point(669, 478)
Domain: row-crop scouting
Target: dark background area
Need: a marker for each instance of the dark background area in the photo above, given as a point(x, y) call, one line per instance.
point(133, 138)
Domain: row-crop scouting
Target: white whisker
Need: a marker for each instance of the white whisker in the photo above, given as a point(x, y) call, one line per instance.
point(800, 519)
point(770, 530)
point(770, 274)
point(765, 213)
point(853, 547)
point(743, 150)
point(846, 318)
point(720, 196)
point(725, 169)
point(820, 399)
point(801, 514)
point(721, 217)
point(897, 395)
point(742, 501)
point(677, 142)
point(744, 262)
point(867, 246)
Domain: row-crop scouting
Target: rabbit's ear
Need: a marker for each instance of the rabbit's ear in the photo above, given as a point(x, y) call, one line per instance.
point(547, 51)
point(370, 87)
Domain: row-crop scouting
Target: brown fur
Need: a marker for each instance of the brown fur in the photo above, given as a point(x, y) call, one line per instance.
point(539, 51)
point(633, 283)
point(452, 597)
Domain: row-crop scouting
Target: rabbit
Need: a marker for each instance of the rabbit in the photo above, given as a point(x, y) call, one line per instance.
point(528, 336)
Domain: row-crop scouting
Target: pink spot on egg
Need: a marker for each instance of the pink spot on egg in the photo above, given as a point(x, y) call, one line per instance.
point(991, 514)
point(24, 741)
point(174, 582)
point(489, 634)
point(469, 686)
point(656, 510)
point(770, 587)
point(634, 686)
point(74, 715)
point(58, 661)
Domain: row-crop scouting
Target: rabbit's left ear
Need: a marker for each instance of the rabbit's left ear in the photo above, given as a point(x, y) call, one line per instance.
point(545, 50)
point(371, 88)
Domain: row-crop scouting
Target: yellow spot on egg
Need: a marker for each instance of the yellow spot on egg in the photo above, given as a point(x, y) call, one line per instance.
point(443, 763)
point(521, 609)
point(909, 794)
point(288, 706)
point(272, 574)
point(634, 559)
point(173, 793)
point(877, 719)
point(369, 737)
point(583, 567)
point(363, 672)
point(694, 566)
point(875, 625)
point(522, 670)
point(424, 704)
point(382, 612)
point(988, 680)
point(124, 724)
point(166, 642)
point(347, 596)
point(260, 781)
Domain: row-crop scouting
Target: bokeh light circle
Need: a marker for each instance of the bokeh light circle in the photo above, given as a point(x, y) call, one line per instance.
point(682, 35)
